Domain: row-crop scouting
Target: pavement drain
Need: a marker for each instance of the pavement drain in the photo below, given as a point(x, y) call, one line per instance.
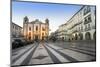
point(40, 57)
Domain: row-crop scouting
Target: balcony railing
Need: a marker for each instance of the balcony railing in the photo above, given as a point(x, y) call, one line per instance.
point(74, 31)
point(87, 29)
point(75, 25)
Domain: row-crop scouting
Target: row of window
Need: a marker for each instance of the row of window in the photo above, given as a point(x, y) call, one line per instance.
point(36, 37)
point(87, 19)
point(43, 29)
point(76, 25)
point(87, 27)
point(15, 27)
point(81, 28)
point(30, 34)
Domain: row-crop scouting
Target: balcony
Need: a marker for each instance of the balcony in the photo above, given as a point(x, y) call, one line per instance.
point(74, 31)
point(87, 29)
point(75, 25)
point(87, 19)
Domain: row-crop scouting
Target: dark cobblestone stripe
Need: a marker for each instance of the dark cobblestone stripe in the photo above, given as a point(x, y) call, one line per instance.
point(82, 52)
point(84, 49)
point(64, 55)
point(53, 57)
point(21, 55)
point(26, 61)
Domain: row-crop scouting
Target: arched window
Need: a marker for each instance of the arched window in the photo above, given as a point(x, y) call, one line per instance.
point(76, 37)
point(29, 28)
point(85, 21)
point(88, 36)
point(89, 26)
point(43, 29)
point(36, 28)
point(80, 36)
point(88, 9)
point(84, 11)
point(89, 18)
point(29, 35)
point(42, 34)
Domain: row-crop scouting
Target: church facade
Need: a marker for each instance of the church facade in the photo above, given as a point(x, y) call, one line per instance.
point(35, 30)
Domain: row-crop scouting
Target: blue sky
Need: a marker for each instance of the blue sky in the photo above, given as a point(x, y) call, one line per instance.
point(56, 13)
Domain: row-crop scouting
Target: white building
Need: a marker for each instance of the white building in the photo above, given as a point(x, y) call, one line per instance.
point(35, 30)
point(16, 30)
point(62, 32)
point(81, 26)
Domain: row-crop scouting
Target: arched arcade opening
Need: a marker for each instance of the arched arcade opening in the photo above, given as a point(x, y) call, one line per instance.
point(88, 36)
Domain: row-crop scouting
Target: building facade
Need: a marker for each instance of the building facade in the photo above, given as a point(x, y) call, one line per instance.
point(61, 32)
point(35, 30)
point(81, 26)
point(16, 30)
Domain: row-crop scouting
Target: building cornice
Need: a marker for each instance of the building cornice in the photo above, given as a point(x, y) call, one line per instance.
point(16, 24)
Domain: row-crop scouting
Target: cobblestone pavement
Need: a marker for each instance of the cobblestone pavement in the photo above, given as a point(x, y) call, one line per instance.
point(57, 52)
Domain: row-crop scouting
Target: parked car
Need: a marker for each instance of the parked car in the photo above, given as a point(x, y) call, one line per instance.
point(17, 43)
